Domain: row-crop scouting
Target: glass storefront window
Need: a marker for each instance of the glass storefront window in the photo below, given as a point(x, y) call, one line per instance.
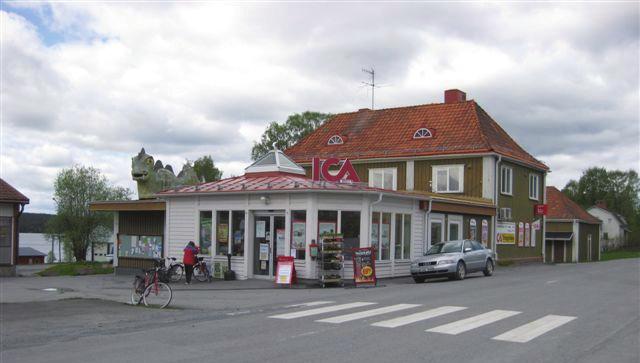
point(140, 246)
point(350, 229)
point(298, 234)
point(327, 222)
point(222, 232)
point(403, 237)
point(375, 233)
point(406, 243)
point(205, 231)
point(237, 224)
point(385, 237)
point(398, 235)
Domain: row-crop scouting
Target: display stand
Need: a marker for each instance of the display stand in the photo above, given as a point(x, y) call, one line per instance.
point(286, 271)
point(331, 260)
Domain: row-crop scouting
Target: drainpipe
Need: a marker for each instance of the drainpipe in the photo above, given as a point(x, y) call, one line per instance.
point(428, 234)
point(495, 198)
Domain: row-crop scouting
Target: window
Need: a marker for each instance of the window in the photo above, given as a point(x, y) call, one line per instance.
point(222, 233)
point(205, 231)
point(6, 224)
point(350, 229)
point(422, 133)
point(436, 232)
point(383, 178)
point(381, 235)
point(534, 185)
point(477, 246)
point(506, 180)
point(335, 140)
point(298, 234)
point(448, 179)
point(402, 242)
point(468, 246)
point(237, 225)
point(504, 214)
point(454, 231)
point(327, 222)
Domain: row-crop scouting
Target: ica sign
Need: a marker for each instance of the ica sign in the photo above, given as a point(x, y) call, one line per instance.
point(345, 171)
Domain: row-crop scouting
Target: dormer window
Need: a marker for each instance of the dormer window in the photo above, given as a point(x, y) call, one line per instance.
point(335, 140)
point(422, 133)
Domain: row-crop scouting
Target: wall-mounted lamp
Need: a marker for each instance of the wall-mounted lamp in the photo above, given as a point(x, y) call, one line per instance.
point(265, 199)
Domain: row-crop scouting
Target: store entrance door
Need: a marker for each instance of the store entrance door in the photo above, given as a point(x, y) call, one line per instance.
point(269, 232)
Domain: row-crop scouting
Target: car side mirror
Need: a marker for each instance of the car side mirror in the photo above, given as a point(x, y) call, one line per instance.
point(467, 250)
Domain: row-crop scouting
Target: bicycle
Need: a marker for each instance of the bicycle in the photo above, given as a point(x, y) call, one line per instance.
point(201, 271)
point(150, 288)
point(176, 270)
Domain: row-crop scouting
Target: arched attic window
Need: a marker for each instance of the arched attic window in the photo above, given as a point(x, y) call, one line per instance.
point(335, 140)
point(422, 133)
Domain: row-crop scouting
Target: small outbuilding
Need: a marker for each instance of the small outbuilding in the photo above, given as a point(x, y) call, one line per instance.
point(572, 234)
point(12, 204)
point(30, 256)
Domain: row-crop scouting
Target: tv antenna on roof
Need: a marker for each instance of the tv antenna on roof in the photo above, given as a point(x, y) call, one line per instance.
point(371, 84)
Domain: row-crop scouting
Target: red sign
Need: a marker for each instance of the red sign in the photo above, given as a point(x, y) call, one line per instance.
point(364, 266)
point(540, 209)
point(285, 271)
point(346, 171)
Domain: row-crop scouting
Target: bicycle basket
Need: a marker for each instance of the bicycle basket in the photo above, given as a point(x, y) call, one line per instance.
point(163, 275)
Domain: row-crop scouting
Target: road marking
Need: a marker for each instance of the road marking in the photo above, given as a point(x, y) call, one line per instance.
point(310, 304)
point(473, 322)
point(552, 282)
point(534, 329)
point(423, 315)
point(367, 313)
point(317, 311)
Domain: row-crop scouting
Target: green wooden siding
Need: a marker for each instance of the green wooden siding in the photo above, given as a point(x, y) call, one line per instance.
point(472, 175)
point(583, 251)
point(150, 223)
point(559, 227)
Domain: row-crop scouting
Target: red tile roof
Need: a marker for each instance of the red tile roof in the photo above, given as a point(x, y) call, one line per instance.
point(11, 194)
point(561, 207)
point(458, 128)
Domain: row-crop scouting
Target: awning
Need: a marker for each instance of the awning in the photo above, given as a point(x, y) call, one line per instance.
point(559, 236)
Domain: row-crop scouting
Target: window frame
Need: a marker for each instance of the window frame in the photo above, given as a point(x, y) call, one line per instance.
point(420, 133)
point(394, 173)
point(434, 178)
point(392, 235)
point(335, 140)
point(503, 190)
point(535, 177)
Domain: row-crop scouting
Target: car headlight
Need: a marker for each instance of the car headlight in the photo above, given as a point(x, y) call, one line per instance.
point(445, 262)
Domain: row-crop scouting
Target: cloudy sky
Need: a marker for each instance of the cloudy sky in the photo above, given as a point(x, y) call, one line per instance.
point(91, 83)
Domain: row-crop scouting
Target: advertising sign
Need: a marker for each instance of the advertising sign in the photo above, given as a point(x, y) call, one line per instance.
point(264, 252)
point(285, 271)
point(219, 268)
point(540, 209)
point(506, 233)
point(223, 233)
point(260, 229)
point(298, 229)
point(326, 228)
point(520, 234)
point(485, 232)
point(527, 235)
point(280, 247)
point(536, 225)
point(346, 171)
point(364, 268)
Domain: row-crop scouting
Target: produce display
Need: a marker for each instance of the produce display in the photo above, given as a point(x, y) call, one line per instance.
point(331, 260)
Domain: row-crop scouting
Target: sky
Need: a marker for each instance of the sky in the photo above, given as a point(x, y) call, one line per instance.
point(91, 83)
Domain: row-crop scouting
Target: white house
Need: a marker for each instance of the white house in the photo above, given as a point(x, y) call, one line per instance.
point(615, 230)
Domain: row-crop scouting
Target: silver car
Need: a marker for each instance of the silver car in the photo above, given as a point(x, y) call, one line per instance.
point(453, 259)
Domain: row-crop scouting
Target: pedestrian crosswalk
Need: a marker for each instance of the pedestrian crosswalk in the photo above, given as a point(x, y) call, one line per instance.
point(520, 334)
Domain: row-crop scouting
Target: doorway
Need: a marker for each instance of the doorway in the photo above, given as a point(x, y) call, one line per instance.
point(268, 243)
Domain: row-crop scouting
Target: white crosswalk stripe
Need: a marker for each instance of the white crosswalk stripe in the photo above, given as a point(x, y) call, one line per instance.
point(367, 313)
point(423, 315)
point(310, 304)
point(326, 309)
point(534, 329)
point(473, 322)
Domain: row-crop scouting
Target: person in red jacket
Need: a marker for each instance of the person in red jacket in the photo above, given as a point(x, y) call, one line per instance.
point(189, 259)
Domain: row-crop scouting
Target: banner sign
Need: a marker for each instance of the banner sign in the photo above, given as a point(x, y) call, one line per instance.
point(540, 209)
point(485, 232)
point(506, 233)
point(527, 235)
point(521, 234)
point(364, 267)
point(473, 230)
point(285, 271)
point(345, 172)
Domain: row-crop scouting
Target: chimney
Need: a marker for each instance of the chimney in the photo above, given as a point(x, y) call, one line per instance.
point(454, 96)
point(601, 204)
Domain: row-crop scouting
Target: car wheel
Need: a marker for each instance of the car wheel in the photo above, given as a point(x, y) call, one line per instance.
point(461, 271)
point(488, 268)
point(418, 280)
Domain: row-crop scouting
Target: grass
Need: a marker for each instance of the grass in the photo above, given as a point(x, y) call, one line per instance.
point(618, 254)
point(77, 268)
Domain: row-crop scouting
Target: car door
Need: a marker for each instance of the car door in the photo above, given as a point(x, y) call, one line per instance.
point(470, 257)
point(479, 254)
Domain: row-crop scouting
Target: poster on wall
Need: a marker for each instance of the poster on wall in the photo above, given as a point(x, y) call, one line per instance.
point(536, 225)
point(280, 247)
point(260, 229)
point(473, 230)
point(264, 252)
point(299, 235)
point(506, 233)
point(222, 233)
point(326, 228)
point(527, 235)
point(485, 232)
point(520, 234)
point(364, 268)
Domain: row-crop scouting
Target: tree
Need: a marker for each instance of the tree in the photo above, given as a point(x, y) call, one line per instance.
point(287, 134)
point(79, 227)
point(206, 169)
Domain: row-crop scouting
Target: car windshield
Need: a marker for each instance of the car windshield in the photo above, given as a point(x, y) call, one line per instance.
point(446, 247)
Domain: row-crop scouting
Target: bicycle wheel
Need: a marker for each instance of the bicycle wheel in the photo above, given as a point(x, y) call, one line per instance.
point(175, 273)
point(199, 274)
point(157, 298)
point(136, 290)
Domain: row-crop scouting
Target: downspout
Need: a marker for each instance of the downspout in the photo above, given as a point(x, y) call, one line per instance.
point(428, 226)
point(544, 219)
point(495, 198)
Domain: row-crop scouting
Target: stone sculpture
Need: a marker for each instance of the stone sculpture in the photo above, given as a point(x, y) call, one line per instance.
point(154, 177)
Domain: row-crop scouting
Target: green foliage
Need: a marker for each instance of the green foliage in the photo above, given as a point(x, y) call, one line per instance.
point(287, 134)
point(50, 257)
point(74, 189)
point(77, 268)
point(618, 254)
point(206, 169)
point(619, 189)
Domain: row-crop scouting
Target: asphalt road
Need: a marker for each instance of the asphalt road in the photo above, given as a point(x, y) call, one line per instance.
point(591, 311)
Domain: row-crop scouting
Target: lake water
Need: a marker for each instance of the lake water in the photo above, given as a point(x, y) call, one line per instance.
point(39, 242)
